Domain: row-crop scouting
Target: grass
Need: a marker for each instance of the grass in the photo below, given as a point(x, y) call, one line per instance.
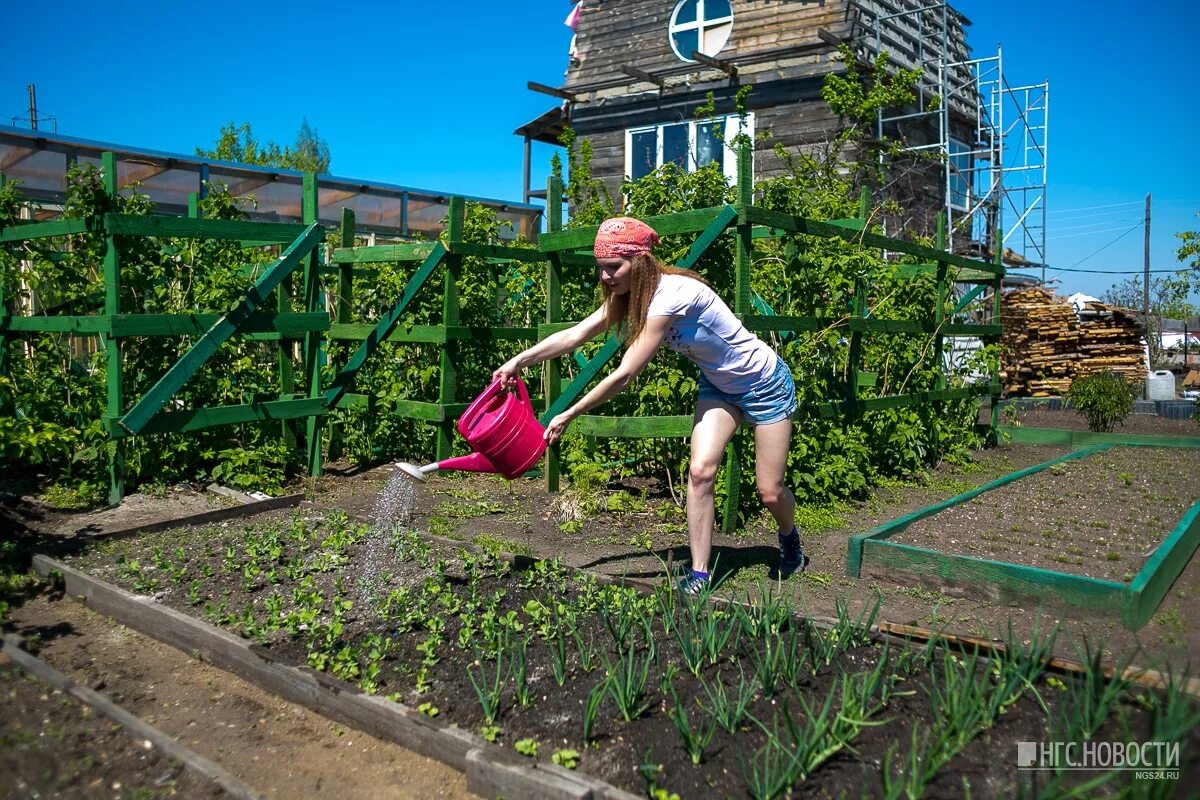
point(822, 518)
point(498, 544)
point(1171, 620)
point(928, 595)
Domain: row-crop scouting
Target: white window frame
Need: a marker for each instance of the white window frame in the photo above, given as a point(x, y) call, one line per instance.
point(702, 26)
point(731, 126)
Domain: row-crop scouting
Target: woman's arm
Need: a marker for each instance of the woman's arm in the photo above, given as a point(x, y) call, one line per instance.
point(637, 356)
point(554, 345)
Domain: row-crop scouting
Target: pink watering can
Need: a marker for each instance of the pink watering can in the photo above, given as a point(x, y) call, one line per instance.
point(502, 430)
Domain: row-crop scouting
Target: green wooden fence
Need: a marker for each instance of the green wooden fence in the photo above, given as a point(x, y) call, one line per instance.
point(747, 222)
point(303, 397)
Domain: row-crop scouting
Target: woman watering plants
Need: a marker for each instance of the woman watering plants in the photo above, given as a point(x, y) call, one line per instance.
point(741, 378)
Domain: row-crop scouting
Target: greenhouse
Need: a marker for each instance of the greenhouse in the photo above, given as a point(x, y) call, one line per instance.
point(39, 160)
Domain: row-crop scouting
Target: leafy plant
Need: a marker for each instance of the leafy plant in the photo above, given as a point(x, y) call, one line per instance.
point(1104, 399)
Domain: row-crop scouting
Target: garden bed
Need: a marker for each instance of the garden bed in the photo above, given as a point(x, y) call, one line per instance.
point(642, 691)
point(52, 745)
point(1109, 528)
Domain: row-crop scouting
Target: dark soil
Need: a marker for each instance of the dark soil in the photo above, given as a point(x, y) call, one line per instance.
point(430, 623)
point(278, 748)
point(53, 746)
point(634, 529)
point(1071, 420)
point(1101, 516)
point(638, 528)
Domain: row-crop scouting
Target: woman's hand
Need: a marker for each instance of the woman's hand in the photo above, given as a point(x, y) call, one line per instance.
point(557, 427)
point(508, 373)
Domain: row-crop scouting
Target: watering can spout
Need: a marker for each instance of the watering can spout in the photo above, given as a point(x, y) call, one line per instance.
point(475, 462)
point(502, 430)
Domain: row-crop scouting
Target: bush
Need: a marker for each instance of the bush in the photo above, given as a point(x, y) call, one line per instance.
point(1104, 399)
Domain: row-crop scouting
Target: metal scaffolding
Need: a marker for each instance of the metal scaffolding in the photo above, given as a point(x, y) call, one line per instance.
point(989, 136)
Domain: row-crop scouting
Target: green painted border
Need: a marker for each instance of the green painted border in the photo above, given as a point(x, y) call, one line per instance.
point(1156, 576)
point(888, 529)
point(1023, 435)
point(1136, 601)
point(1078, 590)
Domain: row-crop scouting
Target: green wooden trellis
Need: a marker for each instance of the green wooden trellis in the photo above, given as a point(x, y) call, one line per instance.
point(245, 318)
point(747, 222)
point(304, 398)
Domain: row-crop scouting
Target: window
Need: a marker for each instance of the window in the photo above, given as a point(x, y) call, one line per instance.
point(700, 26)
point(960, 175)
point(691, 145)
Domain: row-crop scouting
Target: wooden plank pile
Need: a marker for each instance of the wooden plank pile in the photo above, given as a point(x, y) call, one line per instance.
point(1040, 343)
point(1112, 341)
point(1045, 344)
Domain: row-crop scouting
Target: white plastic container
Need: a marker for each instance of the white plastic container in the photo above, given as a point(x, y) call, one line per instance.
point(1161, 385)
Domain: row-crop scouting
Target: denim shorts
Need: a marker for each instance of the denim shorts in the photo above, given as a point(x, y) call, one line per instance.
point(773, 400)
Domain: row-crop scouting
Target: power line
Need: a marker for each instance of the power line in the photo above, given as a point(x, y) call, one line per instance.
point(1105, 205)
point(1115, 272)
point(1110, 224)
point(1080, 216)
point(1110, 244)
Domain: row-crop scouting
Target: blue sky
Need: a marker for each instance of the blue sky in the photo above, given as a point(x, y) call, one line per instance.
point(427, 94)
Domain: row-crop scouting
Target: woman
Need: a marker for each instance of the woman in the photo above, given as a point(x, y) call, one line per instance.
point(741, 378)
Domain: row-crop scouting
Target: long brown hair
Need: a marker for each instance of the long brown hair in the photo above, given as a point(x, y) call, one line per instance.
point(627, 312)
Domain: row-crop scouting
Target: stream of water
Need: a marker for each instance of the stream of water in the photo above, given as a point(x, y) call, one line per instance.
point(393, 509)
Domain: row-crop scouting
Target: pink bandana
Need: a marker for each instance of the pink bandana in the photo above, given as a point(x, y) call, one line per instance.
point(624, 236)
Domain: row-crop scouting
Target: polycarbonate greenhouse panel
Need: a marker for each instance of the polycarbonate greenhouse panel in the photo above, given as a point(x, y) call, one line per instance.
point(39, 160)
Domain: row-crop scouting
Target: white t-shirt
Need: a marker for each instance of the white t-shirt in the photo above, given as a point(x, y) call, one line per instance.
point(704, 329)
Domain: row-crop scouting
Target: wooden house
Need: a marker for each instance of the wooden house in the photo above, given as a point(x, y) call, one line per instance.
point(640, 69)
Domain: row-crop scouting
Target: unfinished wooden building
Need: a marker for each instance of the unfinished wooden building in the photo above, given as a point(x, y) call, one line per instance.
point(640, 69)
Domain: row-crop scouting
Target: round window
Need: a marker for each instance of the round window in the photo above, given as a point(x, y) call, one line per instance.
point(700, 26)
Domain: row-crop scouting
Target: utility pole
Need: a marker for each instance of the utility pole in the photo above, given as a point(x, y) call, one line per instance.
point(33, 120)
point(1146, 292)
point(1146, 263)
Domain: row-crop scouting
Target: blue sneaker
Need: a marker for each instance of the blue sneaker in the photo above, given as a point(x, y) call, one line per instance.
point(791, 555)
point(694, 583)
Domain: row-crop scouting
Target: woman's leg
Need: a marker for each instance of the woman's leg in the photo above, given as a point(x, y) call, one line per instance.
point(712, 428)
point(771, 445)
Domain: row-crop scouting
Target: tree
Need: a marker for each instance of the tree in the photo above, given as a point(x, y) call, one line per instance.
point(1190, 249)
point(1168, 300)
point(310, 153)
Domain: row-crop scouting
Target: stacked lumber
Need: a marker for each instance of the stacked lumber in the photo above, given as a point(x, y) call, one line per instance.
point(1039, 346)
point(1112, 341)
point(1045, 344)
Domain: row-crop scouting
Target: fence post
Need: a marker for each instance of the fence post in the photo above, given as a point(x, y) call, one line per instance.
point(552, 376)
point(342, 310)
point(193, 212)
point(997, 289)
point(313, 340)
point(112, 346)
point(741, 307)
point(287, 377)
point(4, 315)
point(448, 374)
point(858, 310)
point(939, 311)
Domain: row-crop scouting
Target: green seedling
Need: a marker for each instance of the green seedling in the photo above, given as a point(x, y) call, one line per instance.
point(628, 675)
point(526, 747)
point(696, 734)
point(568, 759)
